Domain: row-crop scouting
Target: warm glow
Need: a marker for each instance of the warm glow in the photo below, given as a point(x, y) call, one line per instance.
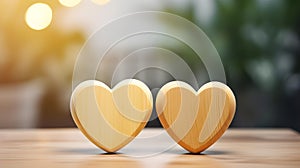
point(101, 2)
point(38, 16)
point(69, 3)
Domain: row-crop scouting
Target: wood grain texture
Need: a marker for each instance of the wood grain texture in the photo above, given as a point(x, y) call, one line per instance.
point(238, 148)
point(111, 118)
point(195, 120)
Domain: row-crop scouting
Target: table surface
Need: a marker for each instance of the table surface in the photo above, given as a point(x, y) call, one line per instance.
point(69, 148)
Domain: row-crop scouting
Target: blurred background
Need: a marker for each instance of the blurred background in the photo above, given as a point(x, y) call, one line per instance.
point(258, 41)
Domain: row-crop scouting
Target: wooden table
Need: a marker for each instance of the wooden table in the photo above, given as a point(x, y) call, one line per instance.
point(69, 148)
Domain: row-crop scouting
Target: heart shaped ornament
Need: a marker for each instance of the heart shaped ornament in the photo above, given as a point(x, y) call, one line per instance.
point(111, 118)
point(195, 120)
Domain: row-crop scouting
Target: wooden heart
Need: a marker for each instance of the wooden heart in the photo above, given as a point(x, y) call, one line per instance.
point(195, 120)
point(111, 118)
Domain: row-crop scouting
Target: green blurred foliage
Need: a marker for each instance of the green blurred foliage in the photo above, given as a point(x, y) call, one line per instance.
point(258, 41)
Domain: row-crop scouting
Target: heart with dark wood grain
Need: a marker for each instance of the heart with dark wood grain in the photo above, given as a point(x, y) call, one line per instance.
point(111, 118)
point(195, 120)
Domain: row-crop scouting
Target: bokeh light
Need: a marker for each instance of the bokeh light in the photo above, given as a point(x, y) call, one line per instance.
point(38, 16)
point(100, 2)
point(69, 3)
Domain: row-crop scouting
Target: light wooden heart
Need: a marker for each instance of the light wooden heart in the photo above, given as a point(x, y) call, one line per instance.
point(111, 118)
point(195, 120)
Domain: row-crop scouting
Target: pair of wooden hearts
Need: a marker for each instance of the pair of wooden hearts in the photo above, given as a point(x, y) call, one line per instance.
point(111, 118)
